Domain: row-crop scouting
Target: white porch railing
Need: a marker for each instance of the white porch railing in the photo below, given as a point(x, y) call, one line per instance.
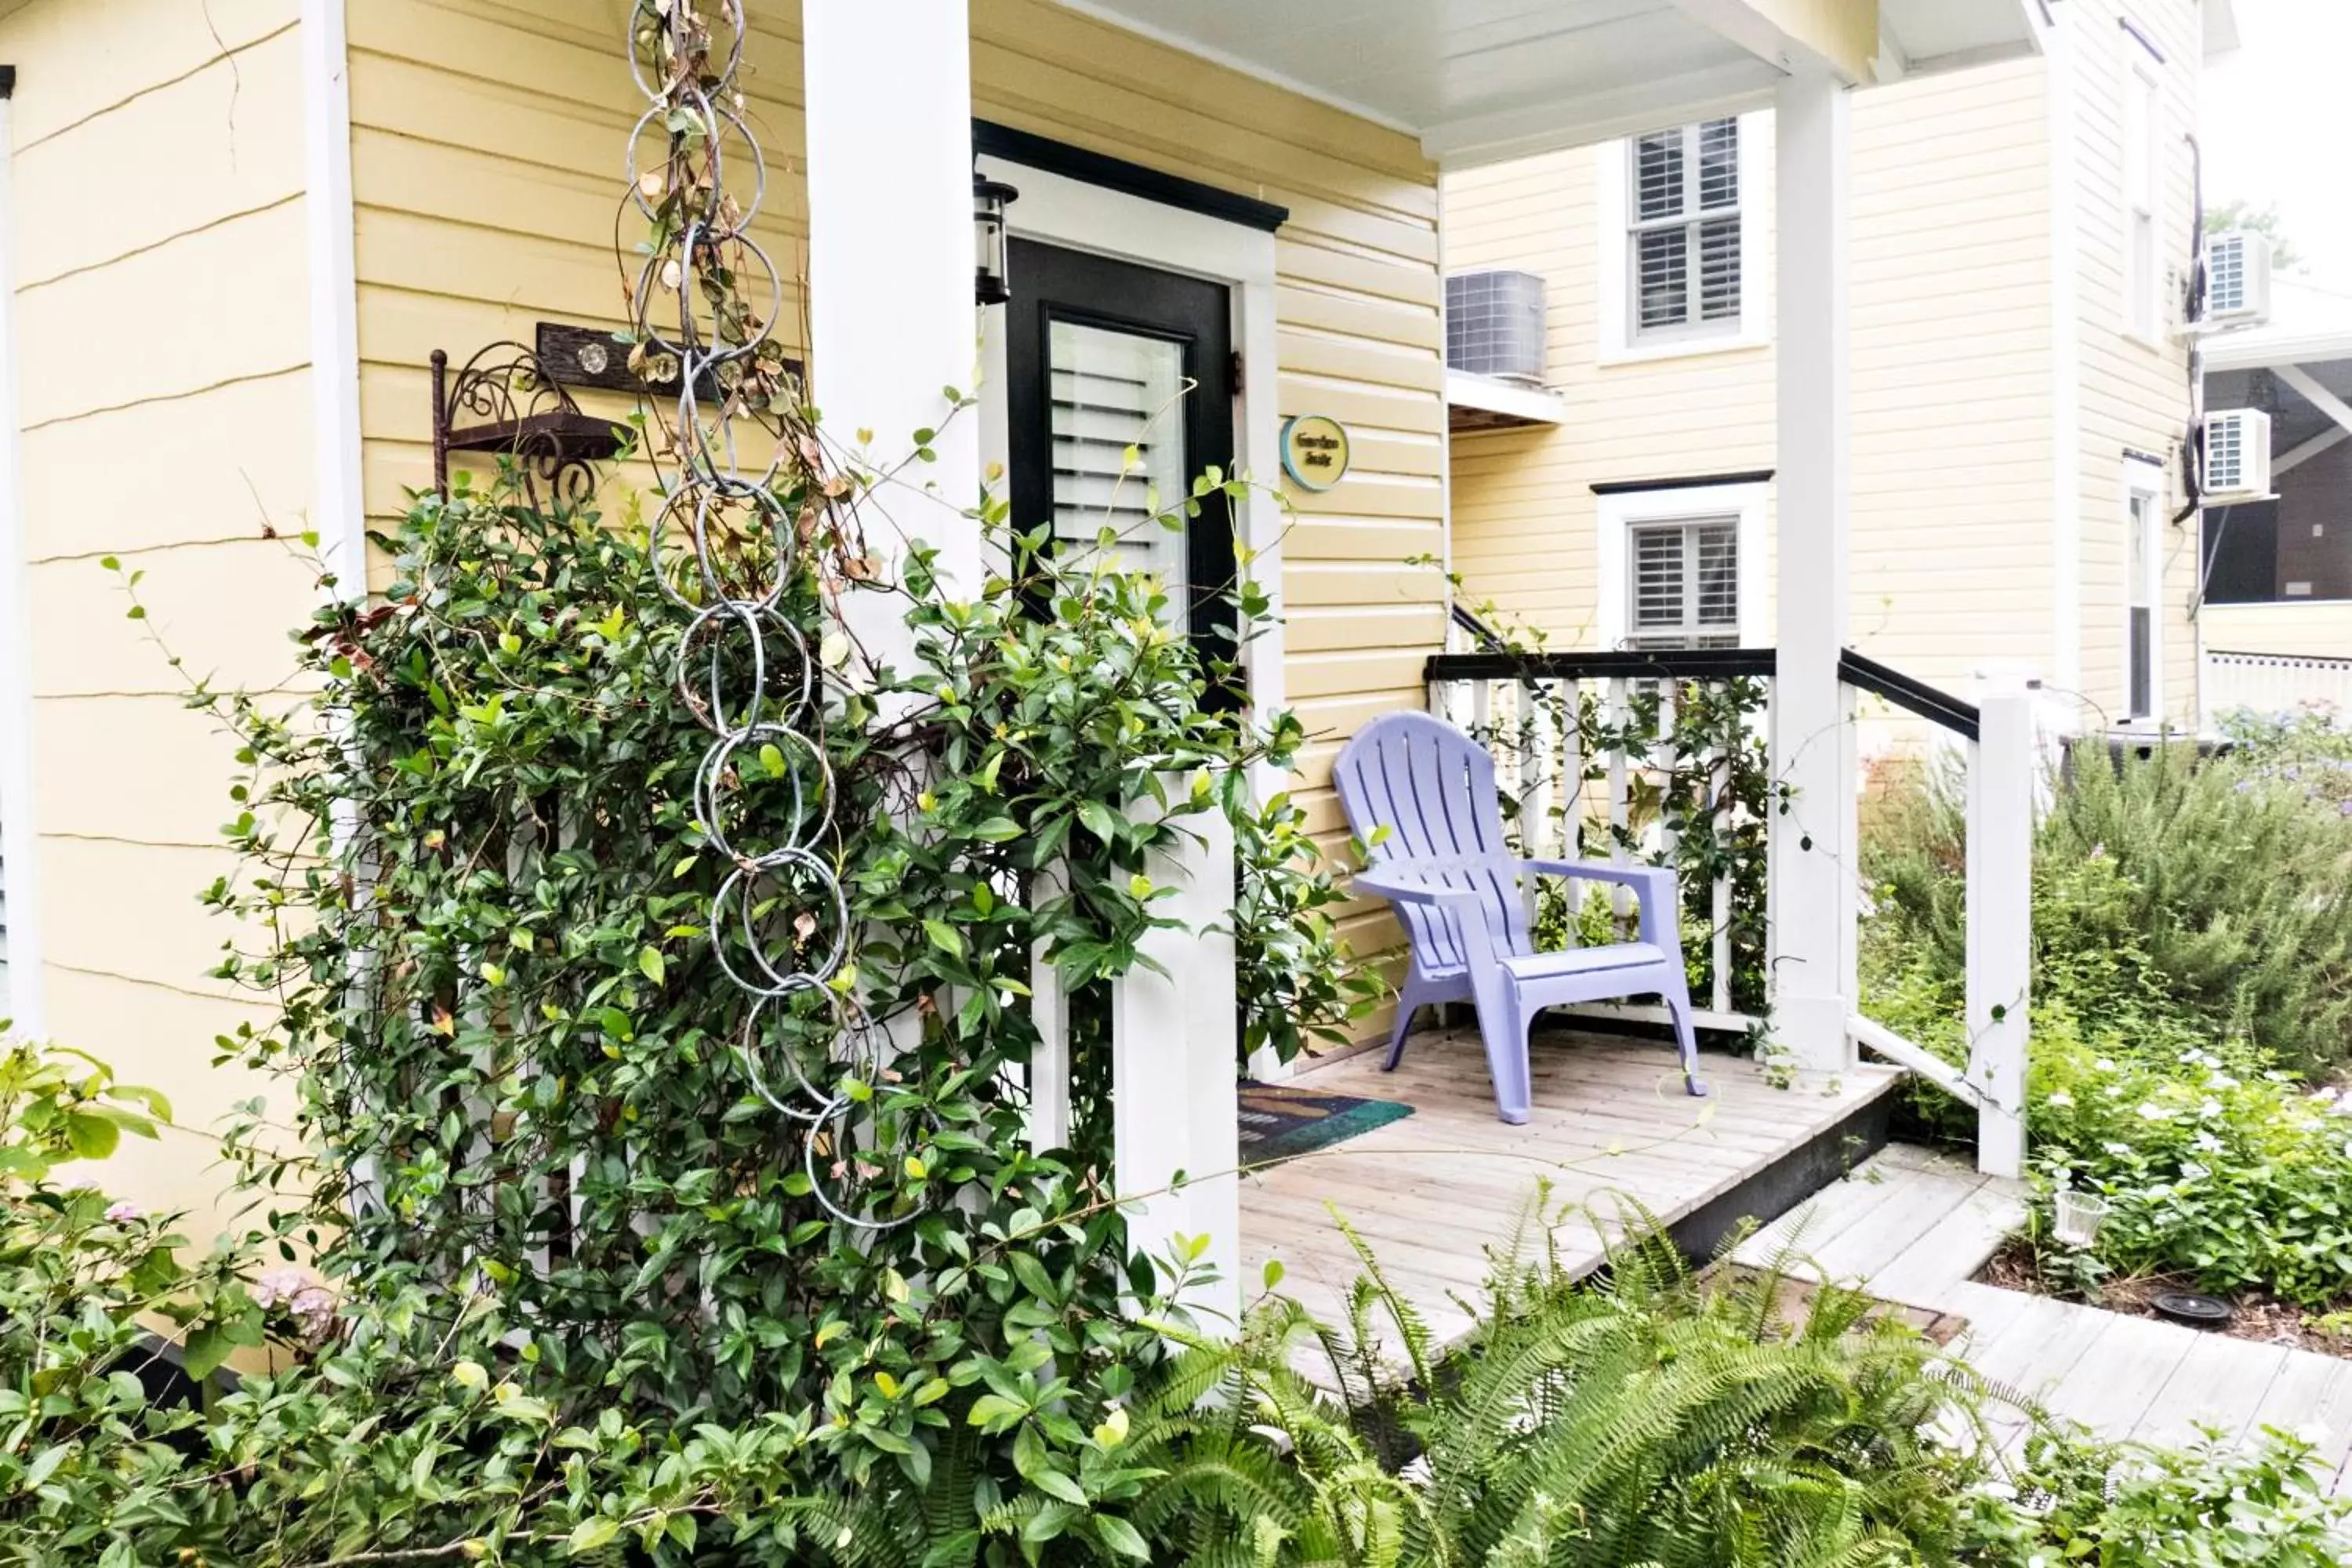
point(2273, 683)
point(1600, 753)
point(1638, 757)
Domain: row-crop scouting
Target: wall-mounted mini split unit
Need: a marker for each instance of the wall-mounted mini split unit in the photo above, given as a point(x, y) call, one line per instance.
point(2237, 457)
point(2237, 278)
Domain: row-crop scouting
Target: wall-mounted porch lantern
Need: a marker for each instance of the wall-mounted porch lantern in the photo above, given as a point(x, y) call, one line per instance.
point(989, 200)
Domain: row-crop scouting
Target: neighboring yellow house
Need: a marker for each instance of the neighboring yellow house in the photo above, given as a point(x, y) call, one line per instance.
point(2023, 234)
point(234, 233)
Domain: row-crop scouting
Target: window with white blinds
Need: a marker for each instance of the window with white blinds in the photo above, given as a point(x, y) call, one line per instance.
point(1119, 449)
point(1684, 584)
point(1686, 267)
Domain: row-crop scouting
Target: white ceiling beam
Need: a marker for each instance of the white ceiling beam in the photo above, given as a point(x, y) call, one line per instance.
point(2308, 451)
point(1731, 87)
point(2317, 396)
point(1744, 27)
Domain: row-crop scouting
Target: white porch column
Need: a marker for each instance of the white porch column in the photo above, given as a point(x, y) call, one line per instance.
point(1812, 846)
point(892, 319)
point(1175, 1102)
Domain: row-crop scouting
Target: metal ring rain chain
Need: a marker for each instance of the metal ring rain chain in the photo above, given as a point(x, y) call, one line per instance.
point(768, 919)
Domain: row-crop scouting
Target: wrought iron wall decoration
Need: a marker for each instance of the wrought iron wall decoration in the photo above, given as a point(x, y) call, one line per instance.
point(705, 303)
point(512, 408)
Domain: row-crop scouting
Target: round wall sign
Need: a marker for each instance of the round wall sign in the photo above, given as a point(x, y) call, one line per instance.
point(1314, 450)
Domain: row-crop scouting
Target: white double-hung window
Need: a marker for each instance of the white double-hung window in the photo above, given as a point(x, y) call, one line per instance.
point(1682, 565)
point(1684, 261)
point(1684, 584)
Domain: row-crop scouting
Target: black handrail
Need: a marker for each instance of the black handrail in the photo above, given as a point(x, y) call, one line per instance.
point(1938, 707)
point(1586, 664)
point(1913, 695)
point(1487, 638)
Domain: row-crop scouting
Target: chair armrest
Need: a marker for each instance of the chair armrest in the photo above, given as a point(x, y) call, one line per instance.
point(1404, 887)
point(1653, 886)
point(1399, 883)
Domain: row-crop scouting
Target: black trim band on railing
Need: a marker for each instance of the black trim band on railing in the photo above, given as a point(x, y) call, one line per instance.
point(1913, 696)
point(1680, 482)
point(989, 140)
point(1641, 664)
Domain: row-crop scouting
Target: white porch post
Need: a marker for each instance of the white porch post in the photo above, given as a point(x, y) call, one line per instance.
point(1175, 1104)
point(1812, 901)
point(2001, 769)
point(892, 319)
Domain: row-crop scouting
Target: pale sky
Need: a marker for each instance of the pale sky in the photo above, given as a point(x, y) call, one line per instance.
point(2277, 127)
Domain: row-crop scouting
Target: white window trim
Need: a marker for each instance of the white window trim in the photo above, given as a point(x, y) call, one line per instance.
point(1620, 511)
point(2143, 67)
point(26, 975)
point(1061, 211)
point(2144, 478)
point(1612, 207)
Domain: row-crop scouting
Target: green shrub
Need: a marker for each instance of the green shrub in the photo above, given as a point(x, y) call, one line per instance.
point(2215, 1503)
point(2223, 891)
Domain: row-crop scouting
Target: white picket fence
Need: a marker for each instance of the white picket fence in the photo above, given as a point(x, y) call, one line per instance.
point(2274, 683)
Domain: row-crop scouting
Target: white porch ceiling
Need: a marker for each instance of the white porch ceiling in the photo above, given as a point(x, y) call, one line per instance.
point(1483, 80)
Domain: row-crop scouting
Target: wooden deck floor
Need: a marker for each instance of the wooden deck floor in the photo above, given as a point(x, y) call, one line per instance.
point(1433, 1193)
point(1914, 1228)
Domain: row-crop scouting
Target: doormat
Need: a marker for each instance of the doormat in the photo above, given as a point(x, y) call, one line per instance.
point(1281, 1121)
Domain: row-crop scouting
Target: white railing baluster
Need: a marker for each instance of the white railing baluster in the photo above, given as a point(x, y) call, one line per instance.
point(1718, 790)
point(1619, 790)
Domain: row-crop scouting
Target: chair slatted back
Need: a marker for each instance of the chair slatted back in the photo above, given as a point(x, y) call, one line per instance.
point(1433, 787)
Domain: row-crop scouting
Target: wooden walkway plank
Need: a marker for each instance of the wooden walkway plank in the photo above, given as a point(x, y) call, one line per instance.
point(2220, 1382)
point(1951, 1252)
point(2112, 1385)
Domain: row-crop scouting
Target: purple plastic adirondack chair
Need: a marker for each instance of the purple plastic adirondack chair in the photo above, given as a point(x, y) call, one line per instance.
point(1456, 884)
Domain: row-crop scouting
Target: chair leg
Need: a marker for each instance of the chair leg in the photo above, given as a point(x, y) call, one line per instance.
point(1504, 1029)
point(1406, 1008)
point(1686, 1037)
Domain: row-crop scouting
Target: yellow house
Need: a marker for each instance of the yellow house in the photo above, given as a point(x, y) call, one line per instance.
point(236, 234)
point(2024, 235)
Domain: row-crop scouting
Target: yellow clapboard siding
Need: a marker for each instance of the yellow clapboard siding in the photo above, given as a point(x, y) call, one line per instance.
point(162, 180)
point(226, 609)
point(163, 341)
point(197, 312)
point(80, 58)
point(234, 468)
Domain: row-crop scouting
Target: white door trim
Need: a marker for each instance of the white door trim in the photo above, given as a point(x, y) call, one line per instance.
point(1058, 210)
point(1621, 509)
point(19, 843)
point(338, 508)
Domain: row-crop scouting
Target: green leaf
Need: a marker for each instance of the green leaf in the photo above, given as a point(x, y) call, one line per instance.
point(1101, 820)
point(1121, 1537)
point(944, 937)
point(91, 1136)
point(649, 963)
point(207, 1347)
point(591, 1535)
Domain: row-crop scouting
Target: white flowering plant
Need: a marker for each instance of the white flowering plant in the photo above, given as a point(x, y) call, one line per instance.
point(2216, 1164)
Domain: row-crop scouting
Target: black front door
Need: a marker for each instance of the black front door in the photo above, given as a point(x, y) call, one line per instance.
point(1107, 359)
